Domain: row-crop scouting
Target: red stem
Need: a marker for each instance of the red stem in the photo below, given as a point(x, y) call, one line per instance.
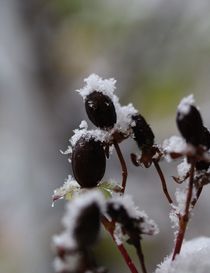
point(123, 166)
point(109, 226)
point(198, 193)
point(163, 181)
point(183, 220)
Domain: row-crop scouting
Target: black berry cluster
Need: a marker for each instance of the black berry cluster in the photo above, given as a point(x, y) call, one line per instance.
point(89, 152)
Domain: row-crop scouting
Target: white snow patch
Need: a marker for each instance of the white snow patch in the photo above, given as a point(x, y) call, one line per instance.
point(124, 117)
point(180, 196)
point(63, 240)
point(83, 125)
point(118, 234)
point(183, 168)
point(184, 106)
point(96, 83)
point(97, 135)
point(174, 144)
point(194, 257)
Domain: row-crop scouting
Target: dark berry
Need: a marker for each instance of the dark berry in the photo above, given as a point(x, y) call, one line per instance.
point(87, 226)
point(100, 110)
point(205, 138)
point(205, 141)
point(190, 125)
point(143, 134)
point(88, 162)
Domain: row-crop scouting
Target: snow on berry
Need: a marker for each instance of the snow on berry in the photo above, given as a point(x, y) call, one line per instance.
point(184, 105)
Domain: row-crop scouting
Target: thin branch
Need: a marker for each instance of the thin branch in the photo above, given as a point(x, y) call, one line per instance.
point(109, 226)
point(183, 221)
point(163, 181)
point(198, 193)
point(123, 166)
point(141, 257)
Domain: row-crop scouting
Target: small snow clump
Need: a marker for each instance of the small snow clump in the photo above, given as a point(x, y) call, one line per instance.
point(184, 105)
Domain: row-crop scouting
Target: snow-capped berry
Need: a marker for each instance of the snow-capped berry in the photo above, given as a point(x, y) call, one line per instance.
point(88, 225)
point(88, 162)
point(190, 124)
point(143, 134)
point(100, 110)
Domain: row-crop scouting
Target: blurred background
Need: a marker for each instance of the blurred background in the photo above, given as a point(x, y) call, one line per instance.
point(158, 51)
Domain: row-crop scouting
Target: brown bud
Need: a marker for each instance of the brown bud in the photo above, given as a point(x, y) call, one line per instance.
point(143, 134)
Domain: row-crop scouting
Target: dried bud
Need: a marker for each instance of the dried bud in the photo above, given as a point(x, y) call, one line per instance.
point(143, 134)
point(100, 110)
point(190, 124)
point(88, 162)
point(88, 225)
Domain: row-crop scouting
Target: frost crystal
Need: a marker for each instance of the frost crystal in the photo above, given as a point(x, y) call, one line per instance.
point(193, 258)
point(70, 185)
point(184, 105)
point(180, 196)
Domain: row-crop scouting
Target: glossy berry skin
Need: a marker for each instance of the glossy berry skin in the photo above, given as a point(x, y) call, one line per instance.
point(100, 110)
point(143, 134)
point(190, 125)
point(88, 162)
point(87, 226)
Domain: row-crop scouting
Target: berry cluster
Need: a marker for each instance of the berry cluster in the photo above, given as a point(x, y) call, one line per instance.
point(94, 202)
point(88, 153)
point(115, 123)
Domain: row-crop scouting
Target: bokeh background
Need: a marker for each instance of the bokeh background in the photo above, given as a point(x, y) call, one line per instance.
point(158, 50)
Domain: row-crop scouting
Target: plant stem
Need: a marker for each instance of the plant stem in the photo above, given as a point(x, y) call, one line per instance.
point(163, 181)
point(198, 193)
point(141, 257)
point(183, 221)
point(123, 166)
point(109, 226)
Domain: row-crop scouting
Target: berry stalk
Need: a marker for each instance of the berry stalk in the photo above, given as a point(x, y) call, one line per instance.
point(183, 220)
point(123, 166)
point(109, 226)
point(163, 181)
